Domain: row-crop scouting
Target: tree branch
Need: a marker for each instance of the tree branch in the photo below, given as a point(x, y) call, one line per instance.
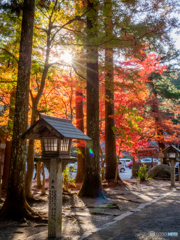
point(42, 29)
point(78, 73)
point(8, 81)
point(4, 49)
point(78, 18)
point(31, 94)
point(56, 63)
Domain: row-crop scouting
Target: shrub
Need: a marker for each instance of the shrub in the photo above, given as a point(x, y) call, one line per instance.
point(142, 173)
point(68, 178)
point(102, 170)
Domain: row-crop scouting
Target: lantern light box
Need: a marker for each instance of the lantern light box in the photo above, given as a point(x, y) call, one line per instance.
point(56, 135)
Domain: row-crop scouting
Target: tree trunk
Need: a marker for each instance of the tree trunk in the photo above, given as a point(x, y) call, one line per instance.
point(35, 102)
point(80, 125)
point(117, 173)
point(6, 164)
point(30, 156)
point(30, 169)
point(102, 163)
point(43, 185)
point(110, 141)
point(15, 206)
point(9, 142)
point(38, 174)
point(0, 181)
point(92, 184)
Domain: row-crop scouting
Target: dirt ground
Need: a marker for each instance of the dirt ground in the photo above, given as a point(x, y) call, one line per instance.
point(80, 215)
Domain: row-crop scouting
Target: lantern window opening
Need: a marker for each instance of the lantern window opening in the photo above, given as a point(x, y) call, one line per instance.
point(50, 144)
point(172, 155)
point(64, 145)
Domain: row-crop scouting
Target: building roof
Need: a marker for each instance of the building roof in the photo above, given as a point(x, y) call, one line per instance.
point(53, 127)
point(172, 146)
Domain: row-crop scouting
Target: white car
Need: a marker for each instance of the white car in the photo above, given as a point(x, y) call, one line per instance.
point(149, 160)
point(156, 159)
point(126, 161)
point(146, 160)
point(121, 167)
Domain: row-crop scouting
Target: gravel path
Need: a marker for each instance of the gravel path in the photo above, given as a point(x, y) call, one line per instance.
point(160, 218)
point(88, 215)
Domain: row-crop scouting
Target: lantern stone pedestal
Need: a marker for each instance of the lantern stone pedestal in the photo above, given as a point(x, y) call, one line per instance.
point(55, 165)
point(55, 199)
point(172, 173)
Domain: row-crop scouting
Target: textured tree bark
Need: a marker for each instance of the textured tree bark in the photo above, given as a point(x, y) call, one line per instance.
point(30, 157)
point(15, 206)
point(38, 174)
point(92, 184)
point(110, 141)
point(8, 141)
point(35, 101)
point(6, 164)
point(0, 181)
point(117, 173)
point(80, 125)
point(43, 192)
point(102, 163)
point(133, 168)
point(30, 169)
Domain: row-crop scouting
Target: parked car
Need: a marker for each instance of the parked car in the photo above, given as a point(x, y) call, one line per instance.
point(156, 160)
point(146, 160)
point(149, 160)
point(130, 164)
point(126, 161)
point(121, 167)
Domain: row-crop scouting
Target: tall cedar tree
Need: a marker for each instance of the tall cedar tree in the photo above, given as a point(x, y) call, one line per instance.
point(110, 141)
point(80, 125)
point(34, 115)
point(92, 184)
point(8, 141)
point(16, 206)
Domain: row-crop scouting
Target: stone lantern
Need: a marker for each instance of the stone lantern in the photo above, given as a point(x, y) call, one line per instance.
point(172, 154)
point(56, 136)
point(161, 156)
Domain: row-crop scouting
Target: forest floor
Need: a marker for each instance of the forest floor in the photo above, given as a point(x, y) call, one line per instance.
point(82, 215)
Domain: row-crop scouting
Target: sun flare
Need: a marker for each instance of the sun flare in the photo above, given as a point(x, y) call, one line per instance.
point(67, 57)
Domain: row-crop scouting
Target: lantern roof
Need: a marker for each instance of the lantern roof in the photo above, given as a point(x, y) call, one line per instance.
point(170, 148)
point(49, 126)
